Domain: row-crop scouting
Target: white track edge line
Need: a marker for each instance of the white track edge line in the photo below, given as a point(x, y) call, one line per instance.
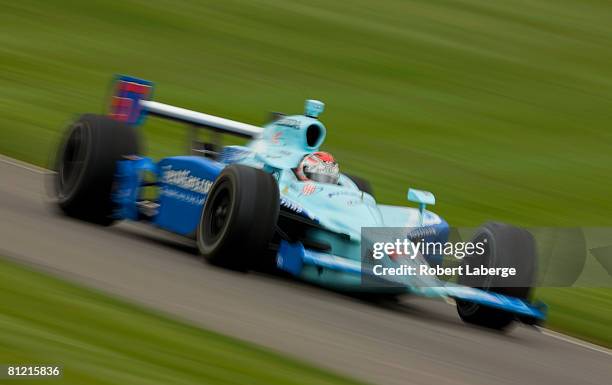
point(24, 165)
point(575, 341)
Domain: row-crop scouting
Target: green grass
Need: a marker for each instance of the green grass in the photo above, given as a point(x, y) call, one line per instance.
point(101, 340)
point(502, 109)
point(581, 312)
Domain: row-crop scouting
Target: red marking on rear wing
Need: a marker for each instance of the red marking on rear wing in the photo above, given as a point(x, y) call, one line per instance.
point(125, 102)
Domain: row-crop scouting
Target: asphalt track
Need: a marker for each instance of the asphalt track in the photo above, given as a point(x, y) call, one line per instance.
point(419, 342)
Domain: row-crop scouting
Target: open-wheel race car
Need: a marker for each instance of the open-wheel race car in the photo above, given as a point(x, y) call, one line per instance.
point(277, 202)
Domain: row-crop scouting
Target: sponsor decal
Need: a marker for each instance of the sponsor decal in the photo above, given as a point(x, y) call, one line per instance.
point(421, 232)
point(232, 155)
point(296, 208)
point(185, 197)
point(184, 180)
point(345, 192)
point(351, 203)
point(309, 188)
point(277, 137)
point(293, 123)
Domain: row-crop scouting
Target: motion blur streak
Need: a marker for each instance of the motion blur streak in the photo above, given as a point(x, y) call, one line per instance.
point(419, 343)
point(502, 110)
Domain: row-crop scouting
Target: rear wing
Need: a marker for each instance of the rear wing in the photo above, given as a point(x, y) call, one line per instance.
point(131, 102)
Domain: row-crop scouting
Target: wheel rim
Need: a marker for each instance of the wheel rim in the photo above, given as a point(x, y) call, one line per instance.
point(218, 215)
point(72, 161)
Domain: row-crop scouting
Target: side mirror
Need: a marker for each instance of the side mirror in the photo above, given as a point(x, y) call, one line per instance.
point(423, 198)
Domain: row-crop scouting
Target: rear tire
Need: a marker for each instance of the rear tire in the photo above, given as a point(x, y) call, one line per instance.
point(239, 218)
point(506, 246)
point(85, 165)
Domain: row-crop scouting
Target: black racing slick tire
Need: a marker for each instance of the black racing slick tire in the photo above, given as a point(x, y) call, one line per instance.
point(361, 183)
point(85, 165)
point(505, 246)
point(239, 218)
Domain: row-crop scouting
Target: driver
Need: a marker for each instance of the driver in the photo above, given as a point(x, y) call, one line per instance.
point(319, 167)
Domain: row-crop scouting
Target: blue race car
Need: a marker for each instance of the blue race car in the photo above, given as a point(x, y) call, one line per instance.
point(278, 202)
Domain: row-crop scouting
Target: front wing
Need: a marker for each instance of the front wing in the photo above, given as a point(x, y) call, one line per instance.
point(292, 257)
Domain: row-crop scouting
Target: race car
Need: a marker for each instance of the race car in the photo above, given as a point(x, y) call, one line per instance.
point(279, 203)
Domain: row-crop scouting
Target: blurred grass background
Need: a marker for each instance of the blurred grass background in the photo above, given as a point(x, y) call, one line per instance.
point(502, 109)
point(99, 340)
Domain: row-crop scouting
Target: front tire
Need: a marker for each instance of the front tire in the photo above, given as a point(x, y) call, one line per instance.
point(86, 163)
point(239, 218)
point(505, 246)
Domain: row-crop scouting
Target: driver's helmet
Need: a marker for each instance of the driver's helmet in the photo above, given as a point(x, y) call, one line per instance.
point(318, 167)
